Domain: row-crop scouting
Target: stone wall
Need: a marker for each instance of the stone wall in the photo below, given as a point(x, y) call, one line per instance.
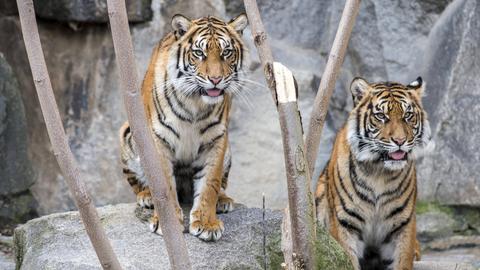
point(398, 41)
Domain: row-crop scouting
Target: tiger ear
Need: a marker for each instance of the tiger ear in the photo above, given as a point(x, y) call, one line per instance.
point(180, 24)
point(359, 88)
point(239, 23)
point(418, 85)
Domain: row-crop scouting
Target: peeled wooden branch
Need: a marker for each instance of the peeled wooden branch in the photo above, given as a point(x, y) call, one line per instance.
point(150, 159)
point(300, 199)
point(327, 83)
point(261, 42)
point(58, 139)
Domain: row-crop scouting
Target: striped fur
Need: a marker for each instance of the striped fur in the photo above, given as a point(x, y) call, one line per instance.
point(366, 195)
point(187, 92)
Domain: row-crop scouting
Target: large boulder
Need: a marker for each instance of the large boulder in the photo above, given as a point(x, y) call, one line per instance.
point(59, 241)
point(17, 204)
point(452, 67)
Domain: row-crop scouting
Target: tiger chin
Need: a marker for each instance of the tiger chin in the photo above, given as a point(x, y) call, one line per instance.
point(187, 93)
point(367, 193)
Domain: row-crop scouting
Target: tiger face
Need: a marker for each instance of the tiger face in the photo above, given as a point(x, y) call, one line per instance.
point(388, 124)
point(207, 57)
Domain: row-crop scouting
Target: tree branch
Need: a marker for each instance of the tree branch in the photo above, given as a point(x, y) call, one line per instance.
point(327, 83)
point(58, 139)
point(282, 86)
point(150, 159)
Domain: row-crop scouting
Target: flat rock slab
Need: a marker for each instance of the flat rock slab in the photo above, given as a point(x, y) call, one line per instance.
point(59, 241)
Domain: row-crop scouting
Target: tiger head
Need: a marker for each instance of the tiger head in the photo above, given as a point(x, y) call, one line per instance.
point(388, 124)
point(207, 57)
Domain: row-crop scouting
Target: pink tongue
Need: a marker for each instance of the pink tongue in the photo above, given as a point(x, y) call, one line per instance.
point(397, 155)
point(214, 92)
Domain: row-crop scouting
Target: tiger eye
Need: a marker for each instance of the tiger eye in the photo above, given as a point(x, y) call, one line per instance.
point(408, 115)
point(226, 52)
point(198, 53)
point(380, 116)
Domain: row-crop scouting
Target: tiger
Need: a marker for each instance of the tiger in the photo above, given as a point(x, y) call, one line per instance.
point(366, 195)
point(187, 94)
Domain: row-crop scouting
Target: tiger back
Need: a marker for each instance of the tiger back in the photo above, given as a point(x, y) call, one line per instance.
point(187, 93)
point(366, 195)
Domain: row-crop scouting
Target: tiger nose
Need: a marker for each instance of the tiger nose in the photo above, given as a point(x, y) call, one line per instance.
point(399, 141)
point(215, 80)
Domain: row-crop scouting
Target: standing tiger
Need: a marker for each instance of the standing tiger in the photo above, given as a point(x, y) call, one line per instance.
point(366, 195)
point(187, 93)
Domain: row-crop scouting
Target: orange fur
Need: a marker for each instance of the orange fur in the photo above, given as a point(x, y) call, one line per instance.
point(366, 194)
point(187, 96)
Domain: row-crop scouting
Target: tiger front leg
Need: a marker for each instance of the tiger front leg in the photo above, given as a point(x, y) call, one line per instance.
point(167, 167)
point(406, 247)
point(204, 223)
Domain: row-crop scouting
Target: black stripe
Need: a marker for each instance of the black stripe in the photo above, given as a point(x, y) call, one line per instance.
point(409, 183)
point(211, 125)
point(170, 128)
point(207, 146)
point(181, 104)
point(399, 187)
point(399, 227)
point(350, 212)
point(166, 143)
point(126, 131)
point(402, 207)
point(354, 181)
point(342, 185)
point(350, 227)
point(177, 114)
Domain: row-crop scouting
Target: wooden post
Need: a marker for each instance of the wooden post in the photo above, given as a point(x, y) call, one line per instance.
point(150, 159)
point(58, 139)
point(327, 83)
point(282, 87)
point(300, 198)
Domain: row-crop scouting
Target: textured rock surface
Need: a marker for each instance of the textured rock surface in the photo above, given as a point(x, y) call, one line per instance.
point(390, 41)
point(455, 91)
point(16, 202)
point(59, 242)
point(90, 10)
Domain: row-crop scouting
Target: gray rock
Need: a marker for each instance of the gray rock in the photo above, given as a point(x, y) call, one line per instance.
point(91, 11)
point(16, 202)
point(8, 7)
point(388, 42)
point(59, 241)
point(435, 265)
point(7, 261)
point(432, 225)
point(453, 89)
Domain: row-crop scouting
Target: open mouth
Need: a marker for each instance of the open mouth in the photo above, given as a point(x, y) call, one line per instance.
point(213, 92)
point(398, 155)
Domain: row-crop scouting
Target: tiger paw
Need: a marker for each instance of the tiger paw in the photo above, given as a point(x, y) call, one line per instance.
point(224, 204)
point(207, 231)
point(144, 199)
point(154, 225)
